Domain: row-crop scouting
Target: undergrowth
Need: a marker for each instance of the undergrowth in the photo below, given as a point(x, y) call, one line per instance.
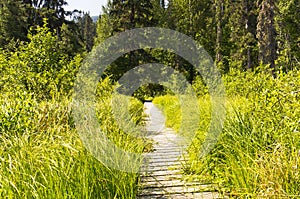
point(41, 154)
point(258, 152)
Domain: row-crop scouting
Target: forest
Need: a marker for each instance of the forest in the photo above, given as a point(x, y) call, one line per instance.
point(255, 44)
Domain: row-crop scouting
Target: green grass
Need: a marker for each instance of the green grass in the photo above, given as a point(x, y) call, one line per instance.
point(42, 156)
point(258, 152)
point(171, 109)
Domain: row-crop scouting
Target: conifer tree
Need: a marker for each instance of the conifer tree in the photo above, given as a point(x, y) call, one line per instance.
point(288, 28)
point(129, 14)
point(121, 15)
point(13, 24)
point(242, 24)
point(266, 33)
point(219, 19)
point(88, 31)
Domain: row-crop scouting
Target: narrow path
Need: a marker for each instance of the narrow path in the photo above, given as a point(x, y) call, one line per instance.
point(161, 175)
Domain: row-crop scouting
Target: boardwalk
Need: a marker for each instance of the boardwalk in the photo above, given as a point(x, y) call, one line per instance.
point(161, 176)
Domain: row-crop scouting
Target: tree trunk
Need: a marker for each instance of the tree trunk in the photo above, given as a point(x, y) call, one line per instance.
point(219, 17)
point(249, 57)
point(163, 4)
point(266, 33)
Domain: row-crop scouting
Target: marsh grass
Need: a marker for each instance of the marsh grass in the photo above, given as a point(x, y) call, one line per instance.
point(42, 156)
point(257, 154)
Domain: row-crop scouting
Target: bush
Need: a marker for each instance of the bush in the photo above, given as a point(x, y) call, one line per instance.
point(41, 153)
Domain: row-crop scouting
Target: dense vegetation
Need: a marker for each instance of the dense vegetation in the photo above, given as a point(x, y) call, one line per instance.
point(41, 152)
point(255, 44)
point(258, 152)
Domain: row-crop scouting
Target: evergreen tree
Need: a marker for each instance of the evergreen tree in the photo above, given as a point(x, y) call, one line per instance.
point(71, 40)
point(288, 28)
point(13, 24)
point(219, 4)
point(104, 27)
point(121, 15)
point(129, 14)
point(53, 10)
point(88, 31)
point(160, 13)
point(242, 24)
point(266, 33)
point(19, 15)
point(196, 19)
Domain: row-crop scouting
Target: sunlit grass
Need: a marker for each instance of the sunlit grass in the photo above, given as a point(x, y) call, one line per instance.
point(42, 156)
point(258, 153)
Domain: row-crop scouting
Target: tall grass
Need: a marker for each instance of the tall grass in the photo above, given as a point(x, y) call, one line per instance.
point(171, 109)
point(42, 156)
point(258, 152)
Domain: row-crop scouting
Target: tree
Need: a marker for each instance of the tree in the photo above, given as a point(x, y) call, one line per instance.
point(219, 4)
point(71, 39)
point(196, 19)
point(288, 27)
point(121, 15)
point(13, 24)
point(266, 33)
point(88, 31)
point(242, 24)
point(19, 15)
point(129, 14)
point(104, 25)
point(43, 68)
point(53, 10)
point(160, 13)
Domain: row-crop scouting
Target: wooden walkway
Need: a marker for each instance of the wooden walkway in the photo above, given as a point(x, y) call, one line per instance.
point(161, 175)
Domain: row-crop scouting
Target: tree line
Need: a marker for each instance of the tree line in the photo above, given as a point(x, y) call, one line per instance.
point(20, 17)
point(240, 34)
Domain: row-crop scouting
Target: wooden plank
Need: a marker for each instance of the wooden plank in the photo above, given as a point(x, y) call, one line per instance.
point(162, 178)
point(203, 195)
point(172, 183)
point(160, 173)
point(153, 170)
point(176, 190)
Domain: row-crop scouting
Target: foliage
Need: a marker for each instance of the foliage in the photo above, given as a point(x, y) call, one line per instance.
point(288, 24)
point(257, 154)
point(104, 28)
point(121, 16)
point(41, 153)
point(13, 23)
point(40, 66)
point(88, 31)
point(171, 109)
point(266, 32)
point(149, 92)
